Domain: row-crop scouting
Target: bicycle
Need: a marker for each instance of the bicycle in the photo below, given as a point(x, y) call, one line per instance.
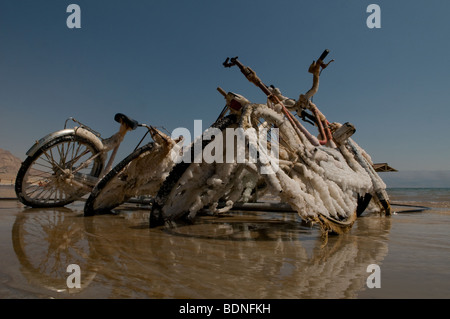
point(184, 188)
point(140, 174)
point(65, 165)
point(328, 179)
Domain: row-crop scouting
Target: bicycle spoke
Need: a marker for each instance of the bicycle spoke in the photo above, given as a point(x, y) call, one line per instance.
point(42, 190)
point(85, 163)
point(53, 162)
point(40, 164)
point(76, 153)
point(67, 151)
point(62, 155)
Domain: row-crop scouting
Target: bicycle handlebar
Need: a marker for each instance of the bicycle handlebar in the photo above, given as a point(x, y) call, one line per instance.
point(222, 91)
point(324, 55)
point(125, 120)
point(248, 73)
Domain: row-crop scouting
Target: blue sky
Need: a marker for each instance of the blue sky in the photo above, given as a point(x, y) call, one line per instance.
point(161, 61)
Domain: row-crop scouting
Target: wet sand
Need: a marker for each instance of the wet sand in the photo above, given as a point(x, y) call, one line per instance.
point(243, 255)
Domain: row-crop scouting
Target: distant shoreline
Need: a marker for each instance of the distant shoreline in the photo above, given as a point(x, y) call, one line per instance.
point(2, 184)
point(8, 184)
point(7, 179)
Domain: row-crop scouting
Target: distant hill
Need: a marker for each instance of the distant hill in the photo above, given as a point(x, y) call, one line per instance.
point(9, 166)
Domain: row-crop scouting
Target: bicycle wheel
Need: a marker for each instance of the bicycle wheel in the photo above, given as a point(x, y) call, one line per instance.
point(59, 172)
point(128, 179)
point(176, 196)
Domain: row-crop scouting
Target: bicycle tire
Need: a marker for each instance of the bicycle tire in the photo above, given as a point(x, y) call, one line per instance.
point(156, 214)
point(114, 184)
point(39, 185)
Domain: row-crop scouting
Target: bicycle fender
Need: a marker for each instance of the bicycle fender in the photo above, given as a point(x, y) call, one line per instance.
point(71, 131)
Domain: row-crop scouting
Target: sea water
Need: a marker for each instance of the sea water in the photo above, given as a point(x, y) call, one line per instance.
point(239, 255)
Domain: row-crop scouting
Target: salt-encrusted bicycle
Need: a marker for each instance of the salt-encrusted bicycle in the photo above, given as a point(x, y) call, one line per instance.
point(328, 180)
point(65, 165)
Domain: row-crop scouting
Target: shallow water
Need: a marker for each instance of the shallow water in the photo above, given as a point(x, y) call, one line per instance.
point(241, 255)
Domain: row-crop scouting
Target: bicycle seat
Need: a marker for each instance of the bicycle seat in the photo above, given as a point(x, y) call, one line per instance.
point(123, 119)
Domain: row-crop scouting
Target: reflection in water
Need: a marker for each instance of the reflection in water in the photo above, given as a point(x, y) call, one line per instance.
point(46, 241)
point(240, 255)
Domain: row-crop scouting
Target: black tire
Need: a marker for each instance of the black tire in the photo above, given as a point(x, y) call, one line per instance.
point(156, 215)
point(363, 202)
point(40, 181)
point(110, 191)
